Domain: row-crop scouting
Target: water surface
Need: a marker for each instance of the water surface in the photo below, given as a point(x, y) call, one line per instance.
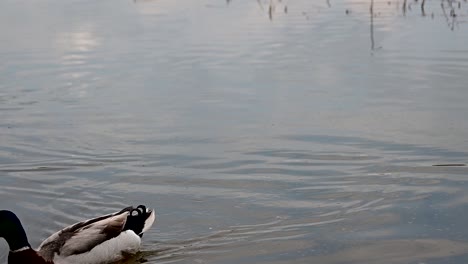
point(262, 132)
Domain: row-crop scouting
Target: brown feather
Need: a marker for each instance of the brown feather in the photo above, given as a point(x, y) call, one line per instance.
point(84, 236)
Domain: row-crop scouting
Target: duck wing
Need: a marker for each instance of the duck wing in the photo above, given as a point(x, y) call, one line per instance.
point(84, 236)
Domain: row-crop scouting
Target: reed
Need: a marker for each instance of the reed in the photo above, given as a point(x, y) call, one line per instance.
point(423, 12)
point(371, 11)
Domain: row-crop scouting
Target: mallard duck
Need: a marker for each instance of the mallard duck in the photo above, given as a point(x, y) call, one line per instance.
point(104, 239)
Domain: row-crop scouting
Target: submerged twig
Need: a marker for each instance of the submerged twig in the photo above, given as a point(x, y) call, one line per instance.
point(270, 10)
point(260, 4)
point(422, 8)
point(371, 11)
point(452, 17)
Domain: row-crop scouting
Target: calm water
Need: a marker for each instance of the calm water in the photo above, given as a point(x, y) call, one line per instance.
point(262, 132)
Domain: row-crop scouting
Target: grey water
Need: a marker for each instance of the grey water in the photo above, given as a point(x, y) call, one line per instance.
point(260, 131)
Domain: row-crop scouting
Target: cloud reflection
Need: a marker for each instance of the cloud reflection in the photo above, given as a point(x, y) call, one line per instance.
point(78, 41)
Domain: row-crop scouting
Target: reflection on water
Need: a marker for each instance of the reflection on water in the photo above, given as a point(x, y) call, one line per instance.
point(261, 131)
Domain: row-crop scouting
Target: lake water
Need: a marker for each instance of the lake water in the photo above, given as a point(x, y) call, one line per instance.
point(261, 131)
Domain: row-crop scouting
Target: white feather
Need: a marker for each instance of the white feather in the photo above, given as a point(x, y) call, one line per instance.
point(149, 221)
point(108, 251)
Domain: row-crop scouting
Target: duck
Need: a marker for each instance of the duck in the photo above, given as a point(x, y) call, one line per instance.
point(101, 240)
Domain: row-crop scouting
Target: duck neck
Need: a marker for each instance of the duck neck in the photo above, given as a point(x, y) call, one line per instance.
point(18, 240)
point(12, 230)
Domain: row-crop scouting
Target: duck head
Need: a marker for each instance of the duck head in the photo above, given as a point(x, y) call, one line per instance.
point(12, 231)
